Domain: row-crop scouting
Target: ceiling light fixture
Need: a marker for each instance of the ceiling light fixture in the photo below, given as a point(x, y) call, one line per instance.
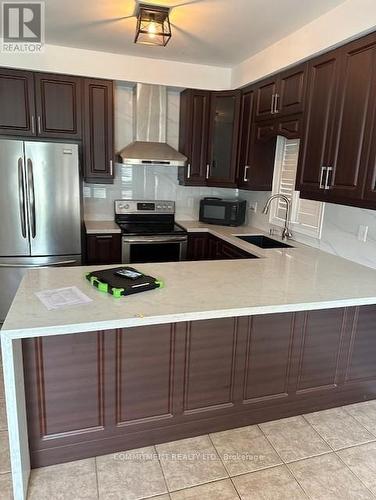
point(153, 25)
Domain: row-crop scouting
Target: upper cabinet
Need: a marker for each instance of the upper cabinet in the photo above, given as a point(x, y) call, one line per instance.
point(223, 139)
point(58, 106)
point(193, 135)
point(209, 137)
point(337, 163)
point(98, 144)
point(282, 94)
point(40, 105)
point(17, 115)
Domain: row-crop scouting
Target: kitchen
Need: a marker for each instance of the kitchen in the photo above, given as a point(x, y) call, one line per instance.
point(245, 196)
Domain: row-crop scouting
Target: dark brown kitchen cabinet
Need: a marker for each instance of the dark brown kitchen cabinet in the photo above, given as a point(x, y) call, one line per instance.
point(17, 105)
point(98, 147)
point(94, 393)
point(323, 78)
point(205, 246)
point(282, 94)
point(58, 106)
point(336, 163)
point(209, 124)
point(103, 249)
point(193, 135)
point(223, 138)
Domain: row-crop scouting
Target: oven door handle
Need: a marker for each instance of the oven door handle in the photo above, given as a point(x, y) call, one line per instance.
point(155, 239)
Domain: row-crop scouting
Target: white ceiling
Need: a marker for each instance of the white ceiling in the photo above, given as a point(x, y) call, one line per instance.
point(214, 32)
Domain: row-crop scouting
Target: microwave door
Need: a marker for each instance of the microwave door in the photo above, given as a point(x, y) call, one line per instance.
point(14, 238)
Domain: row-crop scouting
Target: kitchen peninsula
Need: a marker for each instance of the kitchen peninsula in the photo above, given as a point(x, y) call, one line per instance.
point(225, 343)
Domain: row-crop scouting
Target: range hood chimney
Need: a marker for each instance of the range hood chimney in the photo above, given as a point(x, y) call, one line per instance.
point(150, 129)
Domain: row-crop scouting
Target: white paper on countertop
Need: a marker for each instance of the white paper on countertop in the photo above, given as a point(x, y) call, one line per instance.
point(59, 298)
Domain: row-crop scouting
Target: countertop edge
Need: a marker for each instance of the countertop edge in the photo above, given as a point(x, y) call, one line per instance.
point(181, 317)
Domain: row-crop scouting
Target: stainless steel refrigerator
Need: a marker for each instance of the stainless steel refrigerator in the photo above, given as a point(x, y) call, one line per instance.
point(40, 210)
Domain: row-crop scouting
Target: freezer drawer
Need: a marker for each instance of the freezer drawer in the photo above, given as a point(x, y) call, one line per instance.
point(13, 270)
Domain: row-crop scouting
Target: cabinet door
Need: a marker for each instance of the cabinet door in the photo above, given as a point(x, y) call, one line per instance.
point(103, 249)
point(291, 91)
point(198, 246)
point(318, 124)
point(193, 138)
point(17, 107)
point(353, 121)
point(246, 113)
point(265, 92)
point(58, 100)
point(262, 156)
point(223, 142)
point(290, 126)
point(98, 131)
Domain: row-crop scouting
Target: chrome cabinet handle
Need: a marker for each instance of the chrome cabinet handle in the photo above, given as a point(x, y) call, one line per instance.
point(272, 105)
point(39, 125)
point(323, 170)
point(207, 170)
point(189, 171)
point(30, 180)
point(111, 168)
point(21, 196)
point(328, 171)
point(33, 125)
point(245, 178)
point(276, 97)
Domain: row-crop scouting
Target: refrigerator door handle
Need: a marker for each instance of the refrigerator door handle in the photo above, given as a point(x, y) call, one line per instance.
point(30, 180)
point(60, 263)
point(21, 196)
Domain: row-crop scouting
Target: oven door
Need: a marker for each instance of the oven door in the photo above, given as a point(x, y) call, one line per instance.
point(143, 249)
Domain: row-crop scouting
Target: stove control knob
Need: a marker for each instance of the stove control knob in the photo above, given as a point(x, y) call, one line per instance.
point(126, 206)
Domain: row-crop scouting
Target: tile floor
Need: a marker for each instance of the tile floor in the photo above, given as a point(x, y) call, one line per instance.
point(325, 455)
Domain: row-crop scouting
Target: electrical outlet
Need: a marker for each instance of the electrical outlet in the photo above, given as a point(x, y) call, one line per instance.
point(253, 206)
point(87, 192)
point(362, 233)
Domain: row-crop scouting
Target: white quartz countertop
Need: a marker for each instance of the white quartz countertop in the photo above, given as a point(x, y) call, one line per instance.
point(101, 227)
point(300, 278)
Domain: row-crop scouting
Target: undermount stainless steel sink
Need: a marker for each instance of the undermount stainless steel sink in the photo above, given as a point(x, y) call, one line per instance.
point(263, 241)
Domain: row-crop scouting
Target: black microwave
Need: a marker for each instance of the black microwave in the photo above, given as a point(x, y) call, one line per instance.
point(223, 212)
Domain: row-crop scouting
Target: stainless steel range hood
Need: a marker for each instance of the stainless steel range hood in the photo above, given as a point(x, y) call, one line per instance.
point(150, 130)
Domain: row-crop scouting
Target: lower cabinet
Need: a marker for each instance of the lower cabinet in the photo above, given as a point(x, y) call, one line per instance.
point(205, 246)
point(94, 393)
point(103, 249)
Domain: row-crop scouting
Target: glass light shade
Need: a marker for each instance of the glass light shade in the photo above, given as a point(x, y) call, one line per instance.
point(153, 25)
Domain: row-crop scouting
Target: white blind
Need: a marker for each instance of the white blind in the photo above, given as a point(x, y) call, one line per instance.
point(306, 215)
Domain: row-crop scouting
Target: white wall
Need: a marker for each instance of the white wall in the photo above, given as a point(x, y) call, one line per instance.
point(339, 231)
point(67, 60)
point(344, 22)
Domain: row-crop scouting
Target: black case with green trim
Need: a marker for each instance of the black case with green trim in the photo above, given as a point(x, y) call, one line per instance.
point(107, 281)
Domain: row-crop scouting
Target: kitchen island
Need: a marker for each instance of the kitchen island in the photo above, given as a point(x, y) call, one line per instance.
point(224, 344)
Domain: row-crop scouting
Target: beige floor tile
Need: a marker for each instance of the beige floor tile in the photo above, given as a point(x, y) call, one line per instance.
point(244, 450)
point(294, 439)
point(4, 453)
point(362, 461)
point(365, 413)
point(3, 417)
point(74, 480)
point(190, 462)
point(326, 477)
point(276, 483)
point(223, 490)
point(6, 489)
point(338, 428)
point(130, 475)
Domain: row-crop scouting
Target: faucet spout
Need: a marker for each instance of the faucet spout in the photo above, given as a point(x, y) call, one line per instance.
point(286, 233)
